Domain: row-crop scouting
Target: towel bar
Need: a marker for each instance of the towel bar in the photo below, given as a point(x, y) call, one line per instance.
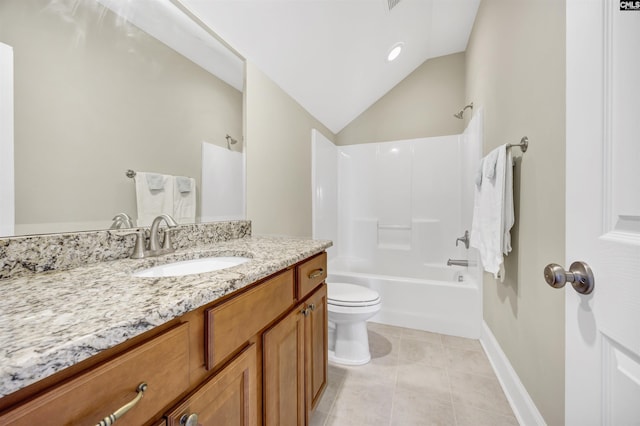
point(524, 144)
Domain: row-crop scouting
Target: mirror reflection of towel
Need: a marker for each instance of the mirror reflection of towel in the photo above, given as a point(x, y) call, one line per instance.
point(155, 181)
point(154, 196)
point(184, 184)
point(184, 199)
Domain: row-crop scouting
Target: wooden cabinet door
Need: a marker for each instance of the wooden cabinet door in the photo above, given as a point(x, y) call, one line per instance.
point(229, 398)
point(283, 372)
point(316, 350)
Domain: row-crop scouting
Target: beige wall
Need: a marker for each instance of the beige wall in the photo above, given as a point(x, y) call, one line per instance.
point(516, 72)
point(94, 97)
point(421, 105)
point(278, 147)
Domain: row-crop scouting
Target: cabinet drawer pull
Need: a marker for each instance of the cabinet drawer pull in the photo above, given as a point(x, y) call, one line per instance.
point(316, 273)
point(111, 418)
point(189, 420)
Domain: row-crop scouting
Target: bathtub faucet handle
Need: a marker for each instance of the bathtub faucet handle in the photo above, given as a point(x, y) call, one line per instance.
point(464, 239)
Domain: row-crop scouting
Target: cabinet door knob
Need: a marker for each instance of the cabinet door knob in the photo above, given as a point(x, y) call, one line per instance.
point(312, 307)
point(112, 418)
point(305, 312)
point(189, 420)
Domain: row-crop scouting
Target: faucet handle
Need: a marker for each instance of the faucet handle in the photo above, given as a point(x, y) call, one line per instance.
point(140, 247)
point(166, 244)
point(464, 239)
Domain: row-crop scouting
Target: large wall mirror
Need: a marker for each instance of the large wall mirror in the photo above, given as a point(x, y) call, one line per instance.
point(103, 86)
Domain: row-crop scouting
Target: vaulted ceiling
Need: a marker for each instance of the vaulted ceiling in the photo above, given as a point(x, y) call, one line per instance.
point(331, 55)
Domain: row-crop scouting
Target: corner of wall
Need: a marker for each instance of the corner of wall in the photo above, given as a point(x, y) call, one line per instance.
point(521, 403)
point(421, 105)
point(278, 142)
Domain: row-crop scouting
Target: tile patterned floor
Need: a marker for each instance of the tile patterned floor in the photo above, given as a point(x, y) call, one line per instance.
point(415, 378)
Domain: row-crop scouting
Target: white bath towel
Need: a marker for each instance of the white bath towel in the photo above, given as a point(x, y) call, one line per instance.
point(493, 214)
point(509, 214)
point(479, 173)
point(153, 202)
point(184, 199)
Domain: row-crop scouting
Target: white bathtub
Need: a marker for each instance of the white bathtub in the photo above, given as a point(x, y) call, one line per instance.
point(426, 297)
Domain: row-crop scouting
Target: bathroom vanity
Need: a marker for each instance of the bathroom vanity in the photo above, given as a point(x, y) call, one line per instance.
point(245, 345)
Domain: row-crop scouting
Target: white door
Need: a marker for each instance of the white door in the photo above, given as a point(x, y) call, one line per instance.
point(603, 212)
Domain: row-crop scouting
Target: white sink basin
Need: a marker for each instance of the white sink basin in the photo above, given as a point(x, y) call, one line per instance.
point(190, 267)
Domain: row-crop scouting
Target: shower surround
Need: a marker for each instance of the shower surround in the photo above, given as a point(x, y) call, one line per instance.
point(394, 211)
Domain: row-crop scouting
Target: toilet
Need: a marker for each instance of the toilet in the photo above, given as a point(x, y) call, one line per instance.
point(349, 307)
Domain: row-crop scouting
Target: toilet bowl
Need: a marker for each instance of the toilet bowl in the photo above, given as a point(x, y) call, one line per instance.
point(349, 307)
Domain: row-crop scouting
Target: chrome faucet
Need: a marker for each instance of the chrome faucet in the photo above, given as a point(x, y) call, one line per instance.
point(121, 220)
point(464, 239)
point(153, 248)
point(154, 244)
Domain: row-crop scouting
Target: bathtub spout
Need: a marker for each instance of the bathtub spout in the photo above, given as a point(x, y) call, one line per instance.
point(460, 262)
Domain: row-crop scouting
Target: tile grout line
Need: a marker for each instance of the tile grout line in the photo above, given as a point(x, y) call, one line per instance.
point(333, 402)
point(446, 370)
point(453, 405)
point(395, 380)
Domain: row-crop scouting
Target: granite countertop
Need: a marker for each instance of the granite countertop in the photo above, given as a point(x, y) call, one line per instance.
point(52, 320)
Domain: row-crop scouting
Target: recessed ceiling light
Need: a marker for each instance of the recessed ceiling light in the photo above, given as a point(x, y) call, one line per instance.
point(394, 52)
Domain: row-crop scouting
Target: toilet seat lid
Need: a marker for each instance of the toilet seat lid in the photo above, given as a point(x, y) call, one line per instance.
point(343, 294)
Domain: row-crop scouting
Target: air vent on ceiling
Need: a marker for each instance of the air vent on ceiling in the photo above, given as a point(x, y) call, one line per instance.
point(390, 4)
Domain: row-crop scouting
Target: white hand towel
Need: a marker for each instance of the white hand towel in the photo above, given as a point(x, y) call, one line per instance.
point(153, 202)
point(184, 200)
point(493, 214)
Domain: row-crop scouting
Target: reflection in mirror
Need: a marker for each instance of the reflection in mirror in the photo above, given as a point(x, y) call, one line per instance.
point(96, 95)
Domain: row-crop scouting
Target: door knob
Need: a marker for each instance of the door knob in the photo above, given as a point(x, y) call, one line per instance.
point(579, 275)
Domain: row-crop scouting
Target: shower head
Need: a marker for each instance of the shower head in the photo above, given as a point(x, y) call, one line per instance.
point(461, 112)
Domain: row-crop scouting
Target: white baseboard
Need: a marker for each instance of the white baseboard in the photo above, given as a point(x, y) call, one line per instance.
point(523, 407)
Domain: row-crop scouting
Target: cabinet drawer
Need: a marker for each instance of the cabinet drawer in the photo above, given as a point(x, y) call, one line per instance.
point(229, 325)
point(162, 363)
point(311, 273)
